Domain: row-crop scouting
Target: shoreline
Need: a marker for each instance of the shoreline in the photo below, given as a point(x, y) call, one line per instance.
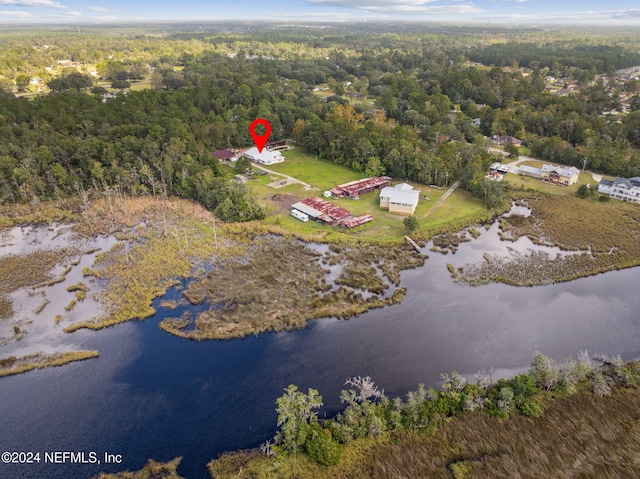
point(187, 237)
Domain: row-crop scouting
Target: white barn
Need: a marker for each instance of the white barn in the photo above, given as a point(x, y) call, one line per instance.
point(266, 157)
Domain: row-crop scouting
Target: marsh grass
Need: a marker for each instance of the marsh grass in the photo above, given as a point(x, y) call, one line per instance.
point(33, 269)
point(13, 365)
point(605, 236)
point(63, 211)
point(40, 308)
point(581, 435)
point(279, 284)
point(152, 470)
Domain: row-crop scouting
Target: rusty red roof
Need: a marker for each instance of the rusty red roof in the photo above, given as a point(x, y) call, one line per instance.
point(355, 188)
point(332, 212)
point(354, 221)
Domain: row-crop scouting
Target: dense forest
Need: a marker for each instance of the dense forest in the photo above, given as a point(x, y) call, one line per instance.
point(400, 103)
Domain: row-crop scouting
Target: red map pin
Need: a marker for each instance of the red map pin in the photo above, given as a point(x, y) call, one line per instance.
point(260, 140)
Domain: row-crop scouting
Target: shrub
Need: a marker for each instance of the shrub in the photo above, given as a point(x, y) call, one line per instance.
point(530, 409)
point(322, 448)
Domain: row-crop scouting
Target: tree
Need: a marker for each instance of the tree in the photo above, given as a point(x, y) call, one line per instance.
point(584, 191)
point(512, 150)
point(295, 415)
point(99, 90)
point(242, 164)
point(411, 224)
point(120, 84)
point(544, 371)
point(22, 81)
point(322, 448)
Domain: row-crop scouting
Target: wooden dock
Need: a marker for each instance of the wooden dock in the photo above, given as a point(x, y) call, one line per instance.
point(412, 243)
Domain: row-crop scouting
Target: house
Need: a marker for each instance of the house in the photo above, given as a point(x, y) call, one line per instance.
point(266, 157)
point(499, 167)
point(560, 175)
point(504, 140)
point(477, 122)
point(530, 171)
point(224, 155)
point(277, 145)
point(605, 186)
point(354, 189)
point(401, 199)
point(626, 189)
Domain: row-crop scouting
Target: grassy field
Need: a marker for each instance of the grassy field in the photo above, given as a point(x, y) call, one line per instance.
point(318, 173)
point(460, 208)
point(532, 163)
point(528, 182)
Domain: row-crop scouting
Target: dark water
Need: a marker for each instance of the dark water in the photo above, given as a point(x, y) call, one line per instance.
point(154, 395)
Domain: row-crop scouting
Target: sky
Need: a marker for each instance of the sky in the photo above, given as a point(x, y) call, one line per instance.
point(538, 12)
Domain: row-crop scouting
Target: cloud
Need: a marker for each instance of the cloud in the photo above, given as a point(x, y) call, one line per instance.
point(329, 16)
point(32, 3)
point(588, 17)
point(16, 14)
point(97, 9)
point(401, 6)
point(509, 1)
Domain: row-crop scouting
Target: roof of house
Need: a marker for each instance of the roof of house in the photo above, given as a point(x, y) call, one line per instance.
point(321, 209)
point(223, 154)
point(605, 182)
point(265, 155)
point(353, 188)
point(530, 169)
point(401, 194)
point(627, 182)
point(561, 170)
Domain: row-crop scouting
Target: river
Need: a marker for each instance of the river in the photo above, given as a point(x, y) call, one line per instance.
point(153, 395)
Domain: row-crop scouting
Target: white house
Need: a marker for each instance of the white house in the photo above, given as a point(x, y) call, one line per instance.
point(400, 199)
point(266, 157)
point(605, 186)
point(626, 189)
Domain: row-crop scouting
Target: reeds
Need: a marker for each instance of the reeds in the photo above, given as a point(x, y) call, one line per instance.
point(13, 365)
point(152, 470)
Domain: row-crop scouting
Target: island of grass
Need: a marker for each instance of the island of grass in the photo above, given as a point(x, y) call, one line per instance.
point(281, 283)
point(13, 365)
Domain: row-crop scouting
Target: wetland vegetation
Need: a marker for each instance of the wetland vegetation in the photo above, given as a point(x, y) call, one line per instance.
point(594, 236)
point(13, 365)
point(280, 284)
point(576, 419)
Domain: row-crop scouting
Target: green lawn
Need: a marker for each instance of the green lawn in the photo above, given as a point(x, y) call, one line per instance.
point(318, 173)
point(517, 181)
point(460, 206)
point(532, 163)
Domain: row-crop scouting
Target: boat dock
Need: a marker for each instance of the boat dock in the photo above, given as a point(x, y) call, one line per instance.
point(412, 243)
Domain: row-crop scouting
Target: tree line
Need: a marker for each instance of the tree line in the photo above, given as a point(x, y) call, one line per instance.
point(369, 412)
